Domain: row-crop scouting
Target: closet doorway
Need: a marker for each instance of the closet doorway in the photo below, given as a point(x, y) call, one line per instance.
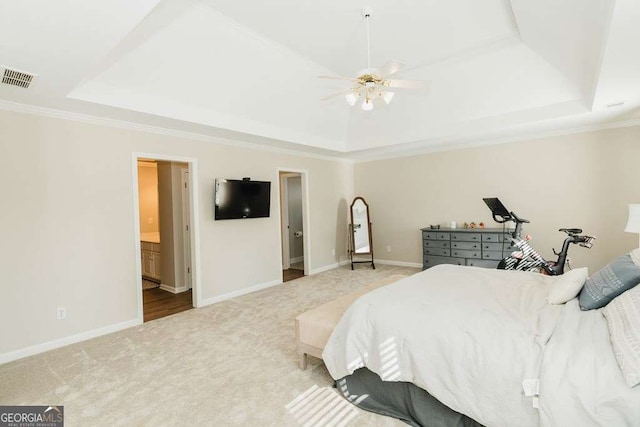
point(165, 236)
point(293, 196)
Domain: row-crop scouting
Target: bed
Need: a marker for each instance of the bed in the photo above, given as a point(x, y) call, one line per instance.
point(486, 346)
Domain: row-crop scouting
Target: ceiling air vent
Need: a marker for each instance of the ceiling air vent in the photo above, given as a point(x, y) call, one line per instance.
point(17, 78)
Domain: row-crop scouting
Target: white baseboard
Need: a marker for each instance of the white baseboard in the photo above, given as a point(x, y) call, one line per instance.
point(297, 259)
point(398, 263)
point(240, 292)
point(50, 345)
point(172, 289)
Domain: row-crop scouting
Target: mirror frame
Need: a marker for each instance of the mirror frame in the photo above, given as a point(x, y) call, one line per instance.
point(352, 250)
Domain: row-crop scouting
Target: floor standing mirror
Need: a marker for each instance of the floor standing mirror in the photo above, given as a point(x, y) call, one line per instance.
point(361, 250)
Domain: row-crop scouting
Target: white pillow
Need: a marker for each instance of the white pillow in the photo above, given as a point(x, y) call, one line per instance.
point(623, 319)
point(567, 286)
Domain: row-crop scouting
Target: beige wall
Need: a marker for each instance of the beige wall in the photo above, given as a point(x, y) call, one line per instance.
point(67, 223)
point(583, 180)
point(148, 197)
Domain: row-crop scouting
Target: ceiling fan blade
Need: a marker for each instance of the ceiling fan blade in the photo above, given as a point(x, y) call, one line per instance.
point(335, 95)
point(410, 84)
point(337, 78)
point(391, 67)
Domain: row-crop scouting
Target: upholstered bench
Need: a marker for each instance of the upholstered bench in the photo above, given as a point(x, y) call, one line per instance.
point(314, 327)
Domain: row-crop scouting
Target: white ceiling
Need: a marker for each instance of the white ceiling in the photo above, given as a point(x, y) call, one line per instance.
point(247, 71)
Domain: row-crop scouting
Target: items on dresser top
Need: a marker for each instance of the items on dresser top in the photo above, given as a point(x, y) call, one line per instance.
point(480, 247)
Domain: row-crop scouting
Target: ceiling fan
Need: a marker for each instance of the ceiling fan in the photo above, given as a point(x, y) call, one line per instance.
point(374, 83)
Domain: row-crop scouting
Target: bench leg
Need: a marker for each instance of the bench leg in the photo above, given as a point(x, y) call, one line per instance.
point(303, 361)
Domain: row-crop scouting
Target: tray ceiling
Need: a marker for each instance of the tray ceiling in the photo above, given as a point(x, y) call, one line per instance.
point(247, 71)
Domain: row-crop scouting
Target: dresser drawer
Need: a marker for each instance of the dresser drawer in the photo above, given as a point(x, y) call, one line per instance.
point(432, 260)
point(506, 237)
point(436, 244)
point(465, 254)
point(437, 251)
point(147, 246)
point(491, 237)
point(442, 236)
point(465, 245)
point(492, 247)
point(496, 255)
point(431, 235)
point(482, 263)
point(466, 237)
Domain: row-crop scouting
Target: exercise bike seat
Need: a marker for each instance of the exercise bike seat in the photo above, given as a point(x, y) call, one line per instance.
point(571, 230)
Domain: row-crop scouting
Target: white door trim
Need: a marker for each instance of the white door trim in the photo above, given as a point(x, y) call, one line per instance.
point(306, 214)
point(194, 220)
point(284, 221)
point(186, 228)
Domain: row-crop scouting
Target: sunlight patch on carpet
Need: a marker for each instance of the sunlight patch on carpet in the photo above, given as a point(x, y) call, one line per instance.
point(321, 407)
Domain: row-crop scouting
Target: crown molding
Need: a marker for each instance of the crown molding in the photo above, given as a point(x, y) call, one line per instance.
point(471, 141)
point(393, 152)
point(138, 127)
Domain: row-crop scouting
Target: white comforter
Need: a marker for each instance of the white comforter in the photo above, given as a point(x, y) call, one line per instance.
point(470, 336)
point(581, 381)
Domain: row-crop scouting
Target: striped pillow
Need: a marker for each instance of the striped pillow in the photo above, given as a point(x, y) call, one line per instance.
point(623, 318)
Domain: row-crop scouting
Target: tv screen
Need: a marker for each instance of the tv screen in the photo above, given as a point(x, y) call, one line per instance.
point(236, 199)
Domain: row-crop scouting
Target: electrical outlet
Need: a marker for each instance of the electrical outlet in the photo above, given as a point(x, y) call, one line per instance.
point(150, 220)
point(61, 313)
point(333, 251)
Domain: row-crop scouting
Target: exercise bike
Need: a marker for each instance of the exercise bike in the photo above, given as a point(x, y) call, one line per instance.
point(525, 258)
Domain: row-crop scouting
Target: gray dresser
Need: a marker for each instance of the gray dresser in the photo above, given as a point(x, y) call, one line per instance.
point(480, 247)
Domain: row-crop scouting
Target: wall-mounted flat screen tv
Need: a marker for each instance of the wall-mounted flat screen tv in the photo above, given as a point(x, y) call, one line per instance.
point(236, 199)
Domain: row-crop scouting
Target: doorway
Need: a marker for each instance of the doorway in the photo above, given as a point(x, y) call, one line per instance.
point(165, 239)
point(292, 224)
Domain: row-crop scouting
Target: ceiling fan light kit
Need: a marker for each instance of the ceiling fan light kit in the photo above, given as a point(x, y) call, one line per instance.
point(372, 83)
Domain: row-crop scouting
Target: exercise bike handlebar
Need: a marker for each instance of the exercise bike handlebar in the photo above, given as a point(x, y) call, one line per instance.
point(511, 217)
point(519, 220)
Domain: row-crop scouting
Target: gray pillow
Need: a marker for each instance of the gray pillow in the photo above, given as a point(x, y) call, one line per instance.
point(619, 275)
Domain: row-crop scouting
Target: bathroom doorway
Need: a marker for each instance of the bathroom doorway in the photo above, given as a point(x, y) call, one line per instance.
point(292, 223)
point(165, 235)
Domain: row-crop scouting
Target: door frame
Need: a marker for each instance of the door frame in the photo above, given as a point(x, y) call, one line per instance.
point(306, 228)
point(283, 200)
point(194, 218)
point(186, 228)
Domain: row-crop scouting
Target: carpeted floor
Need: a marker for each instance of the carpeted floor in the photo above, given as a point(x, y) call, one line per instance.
point(232, 363)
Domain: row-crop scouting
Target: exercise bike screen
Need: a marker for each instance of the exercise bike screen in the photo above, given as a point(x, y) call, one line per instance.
point(497, 208)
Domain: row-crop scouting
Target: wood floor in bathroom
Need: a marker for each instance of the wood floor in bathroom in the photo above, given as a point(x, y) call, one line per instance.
point(157, 303)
